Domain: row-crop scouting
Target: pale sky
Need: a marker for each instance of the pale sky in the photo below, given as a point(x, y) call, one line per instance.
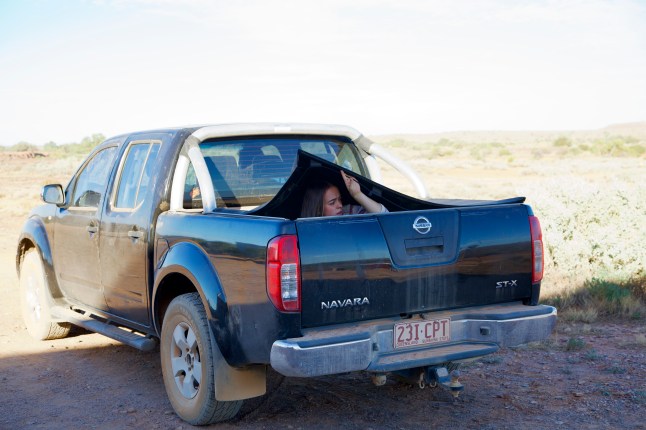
point(72, 68)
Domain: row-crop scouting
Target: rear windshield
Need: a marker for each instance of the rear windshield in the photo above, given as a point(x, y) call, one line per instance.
point(249, 172)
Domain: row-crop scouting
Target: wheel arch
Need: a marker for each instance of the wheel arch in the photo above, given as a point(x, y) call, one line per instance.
point(187, 268)
point(34, 236)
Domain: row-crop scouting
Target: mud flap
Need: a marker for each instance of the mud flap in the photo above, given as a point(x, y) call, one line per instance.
point(237, 384)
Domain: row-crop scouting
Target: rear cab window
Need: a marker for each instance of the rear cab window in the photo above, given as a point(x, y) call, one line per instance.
point(248, 172)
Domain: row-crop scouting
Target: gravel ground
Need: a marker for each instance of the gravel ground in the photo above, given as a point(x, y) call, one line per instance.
point(585, 376)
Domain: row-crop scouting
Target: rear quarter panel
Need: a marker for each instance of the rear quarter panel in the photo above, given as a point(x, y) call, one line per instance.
point(244, 321)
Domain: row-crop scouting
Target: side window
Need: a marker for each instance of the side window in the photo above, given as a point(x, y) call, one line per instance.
point(149, 168)
point(348, 159)
point(192, 195)
point(134, 179)
point(344, 155)
point(91, 182)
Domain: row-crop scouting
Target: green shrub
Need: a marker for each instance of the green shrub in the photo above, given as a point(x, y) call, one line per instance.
point(562, 142)
point(23, 147)
point(607, 291)
point(601, 298)
point(575, 344)
point(618, 147)
point(593, 355)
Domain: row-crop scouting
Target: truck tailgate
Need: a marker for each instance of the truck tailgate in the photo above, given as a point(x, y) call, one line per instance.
point(372, 266)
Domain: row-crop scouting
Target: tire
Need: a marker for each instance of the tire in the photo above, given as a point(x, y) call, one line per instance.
point(34, 301)
point(186, 348)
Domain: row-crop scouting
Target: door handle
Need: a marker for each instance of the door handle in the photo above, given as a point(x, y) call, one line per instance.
point(135, 234)
point(92, 229)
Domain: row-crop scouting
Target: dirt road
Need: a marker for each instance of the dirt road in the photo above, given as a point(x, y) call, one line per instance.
point(585, 377)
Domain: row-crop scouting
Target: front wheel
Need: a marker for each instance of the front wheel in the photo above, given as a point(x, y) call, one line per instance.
point(186, 349)
point(34, 301)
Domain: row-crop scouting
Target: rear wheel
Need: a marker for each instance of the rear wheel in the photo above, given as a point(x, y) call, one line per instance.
point(187, 356)
point(34, 301)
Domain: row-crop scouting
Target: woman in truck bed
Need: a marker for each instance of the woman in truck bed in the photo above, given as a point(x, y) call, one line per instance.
point(324, 199)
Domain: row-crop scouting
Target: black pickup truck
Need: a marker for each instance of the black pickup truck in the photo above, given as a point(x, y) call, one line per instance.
point(191, 238)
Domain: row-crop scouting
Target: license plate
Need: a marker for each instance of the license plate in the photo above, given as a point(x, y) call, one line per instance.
point(422, 332)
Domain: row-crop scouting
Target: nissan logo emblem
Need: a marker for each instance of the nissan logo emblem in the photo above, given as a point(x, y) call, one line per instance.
point(422, 225)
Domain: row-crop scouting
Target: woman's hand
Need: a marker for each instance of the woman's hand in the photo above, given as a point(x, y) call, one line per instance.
point(354, 189)
point(351, 184)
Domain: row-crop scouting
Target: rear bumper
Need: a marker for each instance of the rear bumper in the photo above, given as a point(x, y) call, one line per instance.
point(475, 332)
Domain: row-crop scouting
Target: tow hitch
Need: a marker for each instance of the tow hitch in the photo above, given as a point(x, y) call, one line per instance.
point(440, 375)
point(429, 376)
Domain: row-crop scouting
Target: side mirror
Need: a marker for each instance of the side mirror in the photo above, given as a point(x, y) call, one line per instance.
point(53, 193)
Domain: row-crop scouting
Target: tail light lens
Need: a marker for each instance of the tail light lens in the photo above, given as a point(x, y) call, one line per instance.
point(284, 273)
point(537, 249)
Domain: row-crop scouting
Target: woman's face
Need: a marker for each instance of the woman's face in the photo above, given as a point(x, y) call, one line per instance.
point(332, 204)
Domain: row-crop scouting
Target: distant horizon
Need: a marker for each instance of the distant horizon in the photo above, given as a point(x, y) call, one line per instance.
point(640, 125)
point(621, 124)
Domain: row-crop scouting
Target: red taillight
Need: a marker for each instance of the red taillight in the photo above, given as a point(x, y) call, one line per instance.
point(537, 249)
point(284, 273)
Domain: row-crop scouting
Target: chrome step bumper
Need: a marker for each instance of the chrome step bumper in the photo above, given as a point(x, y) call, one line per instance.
point(475, 332)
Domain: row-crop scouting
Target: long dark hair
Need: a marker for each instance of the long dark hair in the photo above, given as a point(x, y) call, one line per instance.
point(313, 199)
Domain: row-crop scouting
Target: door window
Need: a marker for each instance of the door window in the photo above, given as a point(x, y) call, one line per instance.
point(91, 182)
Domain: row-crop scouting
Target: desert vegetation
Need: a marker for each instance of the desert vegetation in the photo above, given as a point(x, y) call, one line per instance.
point(587, 188)
point(52, 148)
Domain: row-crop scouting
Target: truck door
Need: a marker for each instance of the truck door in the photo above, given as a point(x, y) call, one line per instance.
point(77, 232)
point(126, 233)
